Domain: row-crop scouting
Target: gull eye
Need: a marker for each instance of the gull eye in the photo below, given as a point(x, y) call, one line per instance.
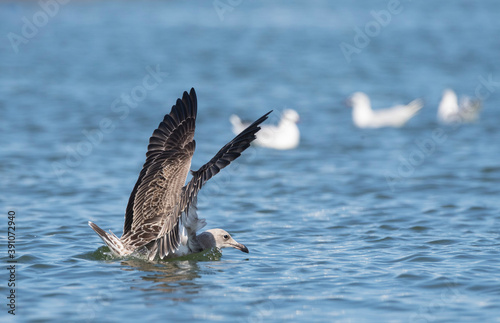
point(226, 236)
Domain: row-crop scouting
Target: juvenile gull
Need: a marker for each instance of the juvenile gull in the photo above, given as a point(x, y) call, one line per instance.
point(364, 117)
point(450, 111)
point(285, 135)
point(161, 219)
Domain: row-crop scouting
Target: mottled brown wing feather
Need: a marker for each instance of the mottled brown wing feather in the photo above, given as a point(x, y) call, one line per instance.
point(172, 135)
point(156, 206)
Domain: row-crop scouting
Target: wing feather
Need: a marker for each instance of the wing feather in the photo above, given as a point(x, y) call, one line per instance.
point(168, 140)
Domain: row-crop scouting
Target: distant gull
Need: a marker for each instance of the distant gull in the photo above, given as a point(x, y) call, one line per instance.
point(285, 135)
point(450, 111)
point(364, 117)
point(161, 219)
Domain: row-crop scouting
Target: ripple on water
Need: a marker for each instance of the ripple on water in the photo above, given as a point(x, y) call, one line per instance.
point(444, 242)
point(442, 283)
point(417, 257)
point(412, 277)
point(29, 259)
point(419, 228)
point(425, 259)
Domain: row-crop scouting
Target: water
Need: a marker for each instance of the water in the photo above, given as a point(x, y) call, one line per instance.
point(396, 225)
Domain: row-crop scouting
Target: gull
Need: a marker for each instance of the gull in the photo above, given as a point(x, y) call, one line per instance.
point(161, 218)
point(285, 135)
point(364, 117)
point(450, 111)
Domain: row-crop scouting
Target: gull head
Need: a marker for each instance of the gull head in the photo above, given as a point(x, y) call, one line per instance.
point(449, 93)
point(290, 115)
point(449, 100)
point(448, 107)
point(220, 239)
point(358, 99)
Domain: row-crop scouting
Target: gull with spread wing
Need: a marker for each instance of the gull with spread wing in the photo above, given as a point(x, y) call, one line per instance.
point(161, 219)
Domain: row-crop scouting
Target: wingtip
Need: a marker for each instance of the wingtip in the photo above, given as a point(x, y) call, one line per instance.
point(192, 94)
point(194, 100)
point(263, 118)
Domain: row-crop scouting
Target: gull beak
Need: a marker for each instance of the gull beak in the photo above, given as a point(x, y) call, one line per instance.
point(240, 246)
point(348, 102)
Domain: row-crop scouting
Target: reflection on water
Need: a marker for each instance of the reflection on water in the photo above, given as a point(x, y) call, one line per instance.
point(170, 275)
point(166, 277)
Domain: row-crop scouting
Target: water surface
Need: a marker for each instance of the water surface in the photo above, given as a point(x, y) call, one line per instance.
point(355, 225)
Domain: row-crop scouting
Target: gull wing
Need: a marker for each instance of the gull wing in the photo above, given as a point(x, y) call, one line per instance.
point(168, 159)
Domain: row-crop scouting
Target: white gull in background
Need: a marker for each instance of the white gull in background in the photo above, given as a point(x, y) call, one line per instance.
point(161, 219)
point(364, 117)
point(285, 135)
point(450, 111)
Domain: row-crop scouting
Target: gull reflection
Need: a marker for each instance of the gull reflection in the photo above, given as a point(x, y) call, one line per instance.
point(172, 276)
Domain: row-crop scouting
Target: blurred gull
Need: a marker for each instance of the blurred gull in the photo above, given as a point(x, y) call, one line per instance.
point(450, 111)
point(161, 219)
point(285, 135)
point(364, 117)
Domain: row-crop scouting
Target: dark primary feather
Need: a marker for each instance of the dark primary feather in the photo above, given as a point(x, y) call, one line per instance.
point(177, 128)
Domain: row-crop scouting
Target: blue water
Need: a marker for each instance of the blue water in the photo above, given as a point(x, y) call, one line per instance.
point(399, 225)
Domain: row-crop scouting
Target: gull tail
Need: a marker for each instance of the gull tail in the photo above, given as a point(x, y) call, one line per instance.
point(110, 239)
point(469, 109)
point(415, 106)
